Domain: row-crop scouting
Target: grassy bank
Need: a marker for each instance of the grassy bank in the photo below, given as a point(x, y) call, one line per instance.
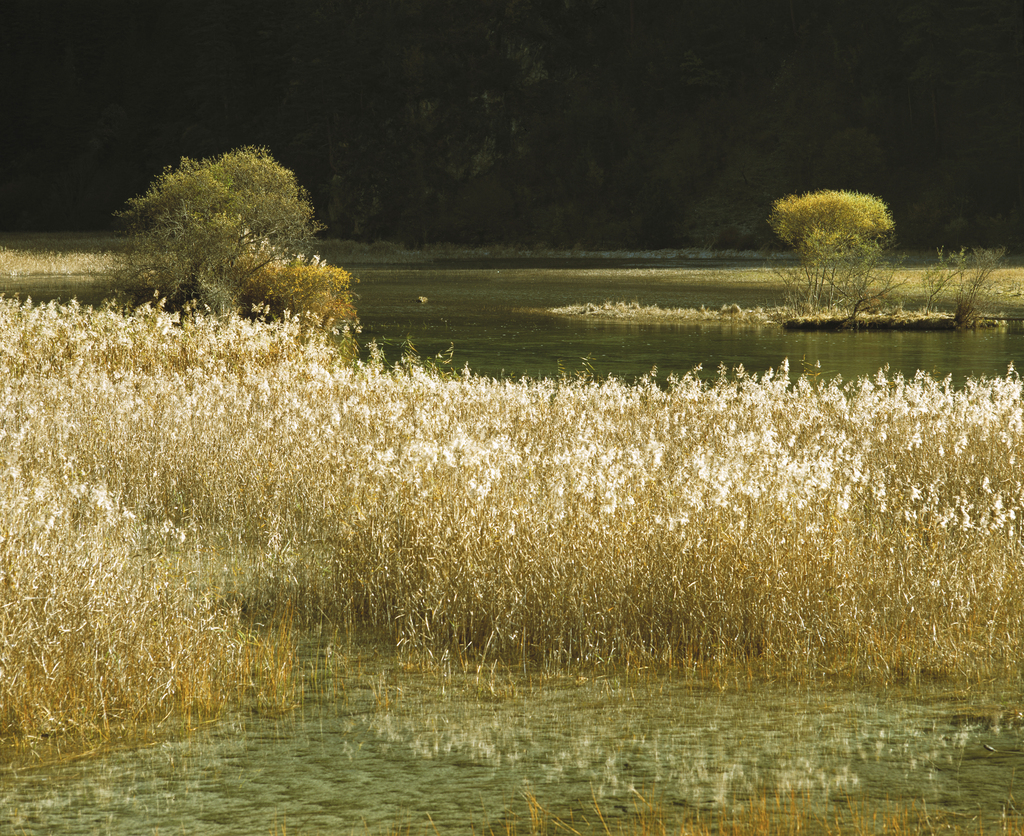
point(635, 312)
point(860, 530)
point(49, 254)
point(79, 253)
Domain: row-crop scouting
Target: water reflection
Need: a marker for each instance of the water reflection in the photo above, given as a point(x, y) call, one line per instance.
point(441, 751)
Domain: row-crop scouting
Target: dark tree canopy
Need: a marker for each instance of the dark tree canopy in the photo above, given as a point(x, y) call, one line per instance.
point(601, 122)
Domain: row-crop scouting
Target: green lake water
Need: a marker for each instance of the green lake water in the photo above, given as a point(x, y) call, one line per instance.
point(486, 314)
point(482, 312)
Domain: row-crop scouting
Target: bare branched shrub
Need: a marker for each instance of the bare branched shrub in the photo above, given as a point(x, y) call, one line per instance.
point(966, 276)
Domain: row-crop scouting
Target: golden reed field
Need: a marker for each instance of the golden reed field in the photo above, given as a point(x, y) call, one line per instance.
point(166, 481)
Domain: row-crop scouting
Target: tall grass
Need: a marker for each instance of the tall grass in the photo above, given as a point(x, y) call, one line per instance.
point(100, 633)
point(868, 529)
point(106, 625)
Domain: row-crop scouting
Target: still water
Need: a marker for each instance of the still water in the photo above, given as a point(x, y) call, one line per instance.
point(486, 313)
point(458, 751)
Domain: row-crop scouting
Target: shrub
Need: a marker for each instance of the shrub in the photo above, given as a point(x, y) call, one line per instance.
point(843, 218)
point(204, 230)
point(841, 239)
point(968, 275)
point(302, 286)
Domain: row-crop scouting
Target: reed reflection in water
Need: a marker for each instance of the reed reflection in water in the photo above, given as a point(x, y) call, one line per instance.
point(455, 751)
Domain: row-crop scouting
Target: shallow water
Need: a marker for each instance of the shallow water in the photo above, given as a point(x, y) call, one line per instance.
point(458, 751)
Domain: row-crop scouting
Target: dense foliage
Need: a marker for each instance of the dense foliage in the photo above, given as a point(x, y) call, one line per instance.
point(843, 219)
point(230, 233)
point(595, 121)
point(203, 229)
point(299, 287)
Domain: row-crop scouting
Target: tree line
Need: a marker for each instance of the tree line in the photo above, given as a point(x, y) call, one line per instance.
point(618, 123)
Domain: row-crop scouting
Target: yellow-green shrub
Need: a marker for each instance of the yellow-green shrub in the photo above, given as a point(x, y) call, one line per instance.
point(312, 288)
point(840, 238)
point(203, 229)
point(841, 218)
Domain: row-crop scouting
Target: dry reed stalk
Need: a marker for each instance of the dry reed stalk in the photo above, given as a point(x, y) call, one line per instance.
point(101, 634)
point(868, 529)
point(104, 628)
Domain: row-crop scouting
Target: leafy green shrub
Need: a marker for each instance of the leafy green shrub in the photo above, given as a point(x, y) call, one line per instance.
point(205, 229)
point(840, 238)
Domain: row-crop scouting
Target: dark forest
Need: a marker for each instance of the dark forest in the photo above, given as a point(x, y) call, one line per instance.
point(602, 123)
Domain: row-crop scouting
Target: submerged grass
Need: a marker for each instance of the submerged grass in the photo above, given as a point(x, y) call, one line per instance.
point(761, 816)
point(154, 468)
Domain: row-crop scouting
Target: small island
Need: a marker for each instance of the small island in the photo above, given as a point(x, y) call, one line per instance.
point(898, 319)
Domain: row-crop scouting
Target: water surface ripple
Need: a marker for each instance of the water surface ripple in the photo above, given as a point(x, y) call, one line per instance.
point(403, 749)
